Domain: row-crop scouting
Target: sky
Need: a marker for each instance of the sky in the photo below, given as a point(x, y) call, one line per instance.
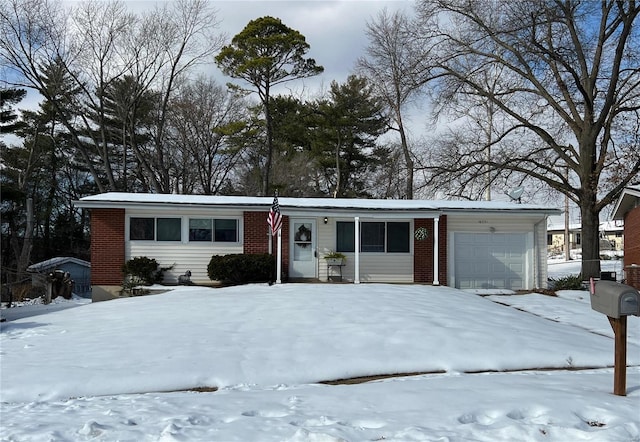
point(334, 30)
point(499, 367)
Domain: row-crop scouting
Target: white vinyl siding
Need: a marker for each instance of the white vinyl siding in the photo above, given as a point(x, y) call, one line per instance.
point(503, 254)
point(374, 266)
point(183, 255)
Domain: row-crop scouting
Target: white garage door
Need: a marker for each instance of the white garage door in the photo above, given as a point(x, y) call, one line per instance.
point(490, 260)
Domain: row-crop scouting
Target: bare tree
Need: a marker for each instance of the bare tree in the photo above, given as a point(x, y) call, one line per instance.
point(99, 43)
point(198, 114)
point(567, 82)
point(397, 70)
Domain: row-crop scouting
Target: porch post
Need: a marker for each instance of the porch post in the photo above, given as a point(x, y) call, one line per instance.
point(279, 258)
point(436, 256)
point(356, 278)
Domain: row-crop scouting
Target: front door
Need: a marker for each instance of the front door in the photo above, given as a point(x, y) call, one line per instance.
point(303, 262)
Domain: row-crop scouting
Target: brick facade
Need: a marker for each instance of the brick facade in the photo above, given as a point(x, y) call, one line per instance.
point(256, 237)
point(632, 247)
point(632, 237)
point(107, 246)
point(423, 252)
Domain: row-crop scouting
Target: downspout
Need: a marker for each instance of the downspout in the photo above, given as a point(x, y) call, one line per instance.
point(356, 279)
point(436, 255)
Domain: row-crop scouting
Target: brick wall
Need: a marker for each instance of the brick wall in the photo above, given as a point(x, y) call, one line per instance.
point(632, 276)
point(256, 239)
point(632, 247)
point(423, 252)
point(632, 237)
point(107, 246)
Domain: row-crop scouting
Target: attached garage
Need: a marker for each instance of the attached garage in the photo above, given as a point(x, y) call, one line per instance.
point(491, 260)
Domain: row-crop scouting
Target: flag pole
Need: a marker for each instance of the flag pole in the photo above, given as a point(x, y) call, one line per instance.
point(278, 258)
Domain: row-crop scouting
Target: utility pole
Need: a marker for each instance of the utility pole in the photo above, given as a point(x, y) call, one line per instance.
point(567, 251)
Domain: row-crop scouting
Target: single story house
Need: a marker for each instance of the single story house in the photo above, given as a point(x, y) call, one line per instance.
point(464, 244)
point(611, 236)
point(627, 209)
point(78, 269)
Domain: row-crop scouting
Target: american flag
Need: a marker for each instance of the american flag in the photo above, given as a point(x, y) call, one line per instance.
point(275, 217)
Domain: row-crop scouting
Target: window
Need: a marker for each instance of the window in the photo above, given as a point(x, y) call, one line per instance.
point(372, 237)
point(199, 230)
point(226, 230)
point(345, 236)
point(169, 229)
point(159, 229)
point(398, 237)
point(141, 229)
point(390, 237)
point(549, 239)
point(218, 230)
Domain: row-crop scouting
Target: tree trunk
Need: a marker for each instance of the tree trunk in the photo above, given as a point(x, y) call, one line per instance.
point(408, 161)
point(267, 166)
point(590, 237)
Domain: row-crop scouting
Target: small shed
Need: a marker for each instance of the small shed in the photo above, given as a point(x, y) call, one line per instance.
point(80, 271)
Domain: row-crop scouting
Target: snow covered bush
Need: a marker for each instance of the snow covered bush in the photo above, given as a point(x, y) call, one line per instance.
point(142, 271)
point(569, 282)
point(242, 268)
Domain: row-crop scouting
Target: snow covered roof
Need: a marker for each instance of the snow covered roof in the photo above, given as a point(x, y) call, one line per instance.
point(629, 199)
point(125, 200)
point(605, 226)
point(52, 263)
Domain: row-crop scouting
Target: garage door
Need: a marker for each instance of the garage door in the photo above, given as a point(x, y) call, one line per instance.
point(490, 260)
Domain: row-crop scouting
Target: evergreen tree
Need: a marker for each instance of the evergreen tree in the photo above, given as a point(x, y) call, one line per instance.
point(264, 54)
point(348, 125)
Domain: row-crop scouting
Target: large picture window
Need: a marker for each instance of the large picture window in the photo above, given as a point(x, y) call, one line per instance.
point(218, 230)
point(380, 237)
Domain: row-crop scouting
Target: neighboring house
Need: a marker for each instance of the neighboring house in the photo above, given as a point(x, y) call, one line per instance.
point(79, 270)
point(611, 237)
point(468, 244)
point(627, 209)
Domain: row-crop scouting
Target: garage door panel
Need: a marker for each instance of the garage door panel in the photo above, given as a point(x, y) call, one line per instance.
point(490, 260)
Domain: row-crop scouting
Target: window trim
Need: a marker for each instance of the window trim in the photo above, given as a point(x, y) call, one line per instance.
point(184, 229)
point(238, 222)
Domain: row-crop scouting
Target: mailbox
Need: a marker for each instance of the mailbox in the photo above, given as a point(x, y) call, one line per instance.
point(615, 300)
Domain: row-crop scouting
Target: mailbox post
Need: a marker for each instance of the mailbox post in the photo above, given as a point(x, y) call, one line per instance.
point(617, 301)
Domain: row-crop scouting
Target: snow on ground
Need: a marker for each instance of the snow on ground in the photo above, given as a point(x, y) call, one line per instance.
point(558, 268)
point(97, 371)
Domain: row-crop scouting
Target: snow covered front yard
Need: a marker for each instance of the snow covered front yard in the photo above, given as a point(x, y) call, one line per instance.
point(500, 367)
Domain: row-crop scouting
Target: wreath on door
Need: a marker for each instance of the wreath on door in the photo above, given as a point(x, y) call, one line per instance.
point(302, 236)
point(421, 233)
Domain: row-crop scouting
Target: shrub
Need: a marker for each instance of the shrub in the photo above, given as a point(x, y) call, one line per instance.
point(142, 271)
point(242, 268)
point(570, 282)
